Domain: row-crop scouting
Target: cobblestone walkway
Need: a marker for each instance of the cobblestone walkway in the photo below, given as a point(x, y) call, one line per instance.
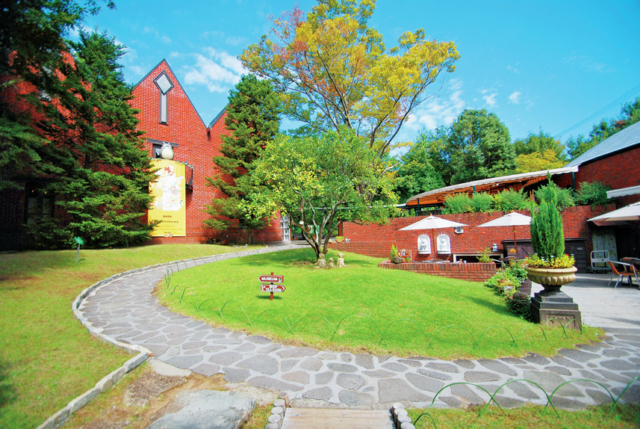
point(125, 310)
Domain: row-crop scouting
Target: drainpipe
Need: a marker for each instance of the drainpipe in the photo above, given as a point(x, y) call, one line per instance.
point(573, 180)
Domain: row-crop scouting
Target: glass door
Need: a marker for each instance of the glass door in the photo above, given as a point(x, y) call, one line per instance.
point(286, 230)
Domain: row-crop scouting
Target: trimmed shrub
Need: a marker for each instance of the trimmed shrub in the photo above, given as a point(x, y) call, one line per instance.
point(509, 200)
point(563, 197)
point(594, 193)
point(459, 203)
point(482, 202)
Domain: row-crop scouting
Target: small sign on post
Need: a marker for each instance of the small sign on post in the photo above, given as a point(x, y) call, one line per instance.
point(79, 242)
point(271, 287)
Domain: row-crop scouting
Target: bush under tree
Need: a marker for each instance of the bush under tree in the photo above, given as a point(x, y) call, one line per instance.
point(593, 193)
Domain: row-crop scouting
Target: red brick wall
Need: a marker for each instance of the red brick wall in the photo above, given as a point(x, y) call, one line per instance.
point(469, 272)
point(620, 170)
point(197, 145)
point(376, 240)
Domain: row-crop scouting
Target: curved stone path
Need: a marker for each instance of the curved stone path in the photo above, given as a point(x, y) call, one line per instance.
point(125, 309)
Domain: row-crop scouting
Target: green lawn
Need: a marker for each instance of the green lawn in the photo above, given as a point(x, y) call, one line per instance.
point(529, 416)
point(413, 312)
point(46, 356)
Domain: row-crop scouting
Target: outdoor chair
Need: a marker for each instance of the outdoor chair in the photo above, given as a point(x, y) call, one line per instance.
point(628, 271)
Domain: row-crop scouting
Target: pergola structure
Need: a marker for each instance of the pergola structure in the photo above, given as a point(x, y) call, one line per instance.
point(493, 185)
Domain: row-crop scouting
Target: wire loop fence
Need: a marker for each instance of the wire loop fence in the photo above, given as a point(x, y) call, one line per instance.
point(492, 397)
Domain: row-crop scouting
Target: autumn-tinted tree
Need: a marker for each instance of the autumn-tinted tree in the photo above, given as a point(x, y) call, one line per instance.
point(319, 182)
point(629, 115)
point(104, 170)
point(253, 117)
point(335, 71)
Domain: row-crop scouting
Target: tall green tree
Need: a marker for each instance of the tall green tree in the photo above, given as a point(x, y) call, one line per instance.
point(540, 143)
point(93, 140)
point(629, 115)
point(335, 71)
point(253, 118)
point(415, 173)
point(480, 147)
point(475, 146)
point(319, 182)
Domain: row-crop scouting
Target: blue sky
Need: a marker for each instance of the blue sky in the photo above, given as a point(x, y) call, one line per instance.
point(536, 64)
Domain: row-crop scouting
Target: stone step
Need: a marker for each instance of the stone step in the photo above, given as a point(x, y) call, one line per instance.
point(323, 418)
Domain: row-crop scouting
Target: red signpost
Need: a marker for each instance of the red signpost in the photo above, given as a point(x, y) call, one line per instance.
point(271, 287)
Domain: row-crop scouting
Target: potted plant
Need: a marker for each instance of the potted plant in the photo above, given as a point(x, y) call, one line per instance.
point(393, 256)
point(549, 266)
point(339, 239)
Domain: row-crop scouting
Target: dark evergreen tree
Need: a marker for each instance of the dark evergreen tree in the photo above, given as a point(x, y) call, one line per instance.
point(253, 117)
point(105, 170)
point(32, 45)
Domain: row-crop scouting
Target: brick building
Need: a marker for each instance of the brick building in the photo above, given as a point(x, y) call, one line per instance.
point(168, 117)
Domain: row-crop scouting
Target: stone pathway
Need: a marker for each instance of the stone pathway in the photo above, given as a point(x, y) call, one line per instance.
point(124, 309)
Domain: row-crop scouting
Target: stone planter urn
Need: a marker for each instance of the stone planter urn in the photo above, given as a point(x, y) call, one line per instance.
point(397, 260)
point(551, 306)
point(552, 279)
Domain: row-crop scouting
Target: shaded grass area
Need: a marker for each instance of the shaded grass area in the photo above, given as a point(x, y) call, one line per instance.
point(361, 308)
point(627, 416)
point(46, 356)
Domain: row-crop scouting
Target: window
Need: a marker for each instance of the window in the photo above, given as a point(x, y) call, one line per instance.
point(40, 205)
point(424, 245)
point(164, 85)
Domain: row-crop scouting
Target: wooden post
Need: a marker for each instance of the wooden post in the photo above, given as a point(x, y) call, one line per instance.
point(271, 295)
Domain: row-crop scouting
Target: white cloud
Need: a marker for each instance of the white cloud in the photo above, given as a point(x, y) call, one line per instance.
point(439, 111)
point(514, 98)
point(217, 70)
point(490, 99)
point(513, 69)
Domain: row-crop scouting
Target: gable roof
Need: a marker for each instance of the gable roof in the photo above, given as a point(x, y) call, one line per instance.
point(621, 140)
point(178, 82)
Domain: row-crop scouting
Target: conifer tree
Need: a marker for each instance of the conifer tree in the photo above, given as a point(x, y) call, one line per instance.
point(104, 169)
point(253, 118)
point(547, 236)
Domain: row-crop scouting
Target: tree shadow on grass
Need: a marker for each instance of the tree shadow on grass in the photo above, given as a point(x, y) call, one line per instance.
point(7, 390)
point(497, 308)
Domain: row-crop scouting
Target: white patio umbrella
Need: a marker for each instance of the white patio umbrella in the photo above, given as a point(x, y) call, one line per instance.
point(627, 213)
point(432, 222)
point(512, 219)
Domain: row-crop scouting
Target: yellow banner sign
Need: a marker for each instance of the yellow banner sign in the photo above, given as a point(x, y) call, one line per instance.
point(169, 203)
